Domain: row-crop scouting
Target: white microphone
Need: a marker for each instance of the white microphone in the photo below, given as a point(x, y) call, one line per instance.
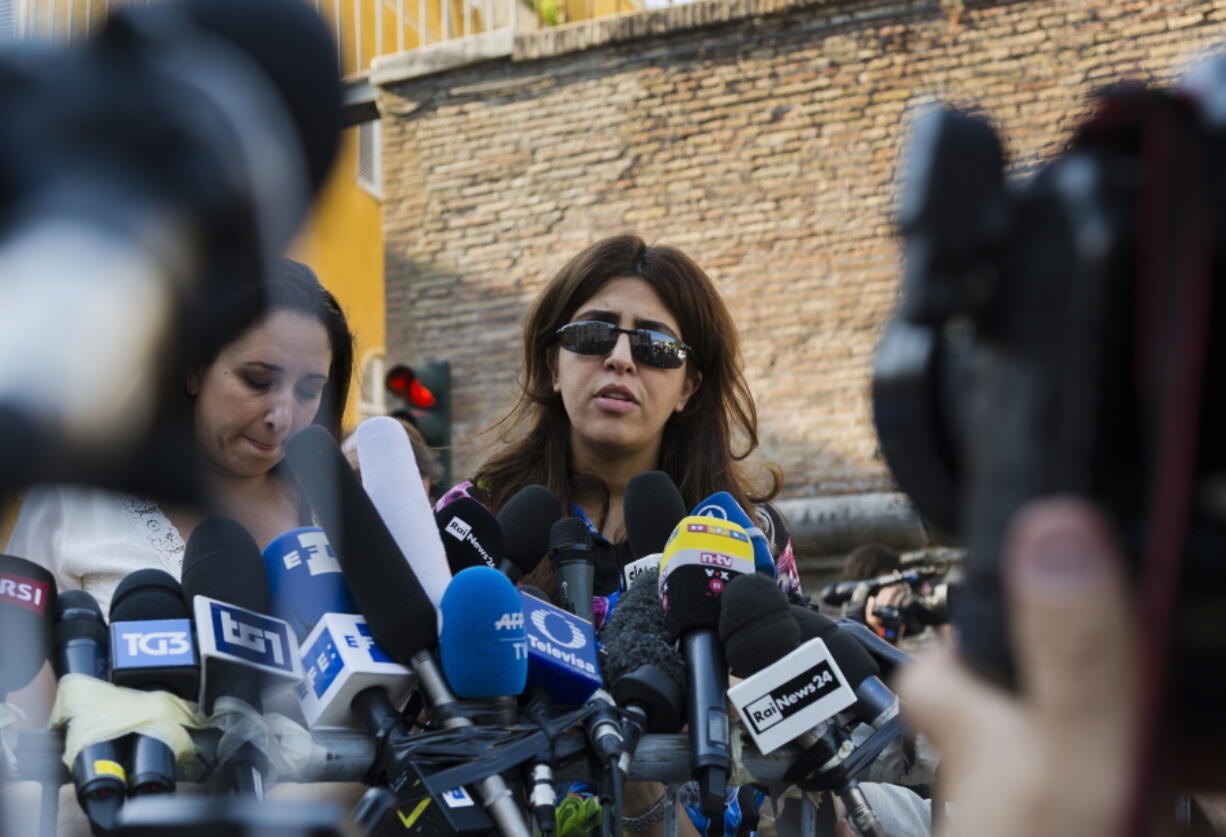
point(390, 477)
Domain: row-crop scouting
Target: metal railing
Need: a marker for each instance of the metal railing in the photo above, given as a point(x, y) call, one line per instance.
point(365, 29)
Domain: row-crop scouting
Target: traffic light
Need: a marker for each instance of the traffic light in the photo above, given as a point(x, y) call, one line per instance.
point(424, 392)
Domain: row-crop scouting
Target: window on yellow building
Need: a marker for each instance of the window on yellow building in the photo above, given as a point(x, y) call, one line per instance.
point(370, 157)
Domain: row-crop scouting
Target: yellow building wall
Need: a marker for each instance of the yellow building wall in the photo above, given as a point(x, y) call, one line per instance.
point(343, 243)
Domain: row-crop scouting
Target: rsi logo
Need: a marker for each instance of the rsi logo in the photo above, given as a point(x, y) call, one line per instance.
point(458, 529)
point(510, 621)
point(158, 643)
point(24, 592)
point(255, 639)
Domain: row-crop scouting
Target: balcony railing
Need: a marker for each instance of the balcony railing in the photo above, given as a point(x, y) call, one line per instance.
point(365, 29)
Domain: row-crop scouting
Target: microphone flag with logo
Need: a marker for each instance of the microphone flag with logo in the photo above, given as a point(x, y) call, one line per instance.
point(562, 656)
point(294, 562)
point(27, 592)
point(723, 506)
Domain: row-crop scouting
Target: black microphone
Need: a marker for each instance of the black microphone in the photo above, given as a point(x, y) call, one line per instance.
point(690, 591)
point(222, 562)
point(526, 520)
point(471, 535)
point(653, 507)
point(81, 648)
point(152, 650)
point(788, 687)
point(400, 615)
point(570, 550)
point(27, 594)
point(644, 669)
point(875, 702)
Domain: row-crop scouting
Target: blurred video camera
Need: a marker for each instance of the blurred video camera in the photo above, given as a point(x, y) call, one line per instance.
point(927, 603)
point(143, 172)
point(1057, 335)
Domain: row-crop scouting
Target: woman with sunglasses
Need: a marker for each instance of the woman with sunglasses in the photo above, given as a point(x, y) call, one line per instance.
point(631, 364)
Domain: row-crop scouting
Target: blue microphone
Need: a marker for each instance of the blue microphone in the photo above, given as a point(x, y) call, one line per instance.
point(722, 505)
point(481, 643)
point(304, 579)
point(339, 657)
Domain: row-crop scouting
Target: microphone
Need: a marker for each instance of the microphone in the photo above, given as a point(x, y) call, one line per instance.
point(384, 585)
point(482, 644)
point(241, 647)
point(152, 650)
point(526, 520)
point(304, 579)
point(643, 668)
point(723, 506)
point(81, 648)
point(755, 624)
point(25, 590)
point(875, 702)
point(653, 505)
point(471, 535)
point(348, 681)
point(570, 550)
point(701, 558)
point(392, 480)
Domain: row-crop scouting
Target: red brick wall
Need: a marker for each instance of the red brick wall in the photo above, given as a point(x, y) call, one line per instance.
point(758, 135)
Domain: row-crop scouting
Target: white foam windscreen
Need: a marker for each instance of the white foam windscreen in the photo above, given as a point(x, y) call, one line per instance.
point(392, 479)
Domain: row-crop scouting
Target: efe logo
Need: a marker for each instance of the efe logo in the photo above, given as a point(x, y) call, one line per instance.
point(24, 592)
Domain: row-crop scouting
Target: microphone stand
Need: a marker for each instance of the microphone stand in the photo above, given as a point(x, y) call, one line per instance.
point(495, 795)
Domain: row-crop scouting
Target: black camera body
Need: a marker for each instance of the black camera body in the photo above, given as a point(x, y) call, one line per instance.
point(1058, 335)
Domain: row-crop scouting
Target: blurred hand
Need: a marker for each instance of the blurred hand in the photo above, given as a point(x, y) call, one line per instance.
point(1056, 759)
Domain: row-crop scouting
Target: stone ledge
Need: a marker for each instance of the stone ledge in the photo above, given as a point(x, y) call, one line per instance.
point(441, 57)
point(630, 26)
point(570, 37)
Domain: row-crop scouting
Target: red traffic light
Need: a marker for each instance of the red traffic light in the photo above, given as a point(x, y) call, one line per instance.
point(402, 381)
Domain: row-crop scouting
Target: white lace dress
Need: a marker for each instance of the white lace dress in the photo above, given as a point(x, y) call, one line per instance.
point(91, 539)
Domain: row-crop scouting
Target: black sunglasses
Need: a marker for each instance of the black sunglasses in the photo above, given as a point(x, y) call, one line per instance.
point(594, 337)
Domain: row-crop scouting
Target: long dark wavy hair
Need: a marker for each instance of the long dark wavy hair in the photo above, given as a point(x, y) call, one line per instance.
point(703, 445)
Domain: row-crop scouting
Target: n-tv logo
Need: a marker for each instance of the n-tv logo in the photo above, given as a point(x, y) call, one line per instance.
point(252, 637)
point(24, 592)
